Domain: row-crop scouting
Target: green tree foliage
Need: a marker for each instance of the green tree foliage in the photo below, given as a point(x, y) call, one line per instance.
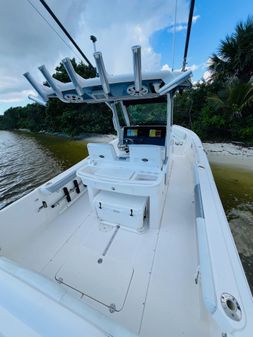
point(216, 111)
point(220, 109)
point(154, 113)
point(235, 54)
point(31, 117)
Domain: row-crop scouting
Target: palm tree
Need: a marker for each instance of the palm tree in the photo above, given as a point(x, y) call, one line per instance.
point(236, 99)
point(235, 55)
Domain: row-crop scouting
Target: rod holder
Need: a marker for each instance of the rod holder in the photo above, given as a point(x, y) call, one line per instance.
point(101, 71)
point(38, 100)
point(52, 82)
point(137, 67)
point(179, 80)
point(41, 90)
point(74, 77)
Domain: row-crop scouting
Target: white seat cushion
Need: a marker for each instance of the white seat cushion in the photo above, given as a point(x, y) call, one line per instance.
point(147, 155)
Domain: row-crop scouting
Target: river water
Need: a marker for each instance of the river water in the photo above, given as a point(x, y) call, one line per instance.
point(27, 160)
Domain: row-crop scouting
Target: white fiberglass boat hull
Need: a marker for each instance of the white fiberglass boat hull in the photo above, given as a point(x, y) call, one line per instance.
point(65, 273)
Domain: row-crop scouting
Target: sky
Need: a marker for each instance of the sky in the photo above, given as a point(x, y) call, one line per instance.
point(28, 41)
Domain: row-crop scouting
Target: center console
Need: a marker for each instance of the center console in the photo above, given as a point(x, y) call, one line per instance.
point(129, 192)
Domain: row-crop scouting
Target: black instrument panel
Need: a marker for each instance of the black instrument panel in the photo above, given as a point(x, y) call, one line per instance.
point(145, 134)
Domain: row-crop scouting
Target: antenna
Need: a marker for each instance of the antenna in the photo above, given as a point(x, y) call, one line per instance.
point(65, 31)
point(189, 26)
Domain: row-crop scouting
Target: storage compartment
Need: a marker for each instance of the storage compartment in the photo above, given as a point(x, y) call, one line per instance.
point(125, 210)
point(106, 282)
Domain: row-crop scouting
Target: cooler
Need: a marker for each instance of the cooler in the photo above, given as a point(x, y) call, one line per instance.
point(121, 209)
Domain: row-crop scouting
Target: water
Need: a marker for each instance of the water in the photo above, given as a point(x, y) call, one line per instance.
point(235, 187)
point(27, 160)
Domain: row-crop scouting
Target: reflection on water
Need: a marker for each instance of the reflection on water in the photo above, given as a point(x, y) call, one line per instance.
point(236, 191)
point(27, 160)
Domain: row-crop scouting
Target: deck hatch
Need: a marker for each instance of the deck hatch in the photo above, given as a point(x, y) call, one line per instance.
point(107, 282)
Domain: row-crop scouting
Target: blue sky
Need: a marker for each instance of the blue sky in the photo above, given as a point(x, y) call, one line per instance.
point(29, 42)
point(215, 20)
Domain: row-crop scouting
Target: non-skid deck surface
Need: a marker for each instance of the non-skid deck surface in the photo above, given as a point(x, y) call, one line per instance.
point(143, 281)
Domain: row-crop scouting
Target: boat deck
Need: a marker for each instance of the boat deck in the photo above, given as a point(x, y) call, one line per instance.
point(143, 281)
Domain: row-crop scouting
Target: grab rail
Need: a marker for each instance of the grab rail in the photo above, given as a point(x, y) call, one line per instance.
point(52, 187)
point(207, 282)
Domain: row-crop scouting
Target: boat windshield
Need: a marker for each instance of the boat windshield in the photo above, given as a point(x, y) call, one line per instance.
point(148, 114)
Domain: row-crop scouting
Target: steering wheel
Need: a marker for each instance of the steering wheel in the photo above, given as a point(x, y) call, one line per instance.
point(128, 141)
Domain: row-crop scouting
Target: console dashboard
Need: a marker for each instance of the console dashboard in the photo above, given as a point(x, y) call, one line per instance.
point(144, 134)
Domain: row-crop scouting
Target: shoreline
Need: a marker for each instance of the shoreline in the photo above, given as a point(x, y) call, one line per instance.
point(87, 137)
point(239, 156)
point(232, 153)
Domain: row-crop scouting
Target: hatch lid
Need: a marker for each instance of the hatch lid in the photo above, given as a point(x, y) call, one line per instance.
point(101, 278)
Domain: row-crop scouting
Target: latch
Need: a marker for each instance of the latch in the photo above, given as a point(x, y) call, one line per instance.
point(44, 205)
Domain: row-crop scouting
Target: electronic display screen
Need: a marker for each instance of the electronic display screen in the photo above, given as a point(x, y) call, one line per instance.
point(132, 132)
point(155, 133)
point(145, 134)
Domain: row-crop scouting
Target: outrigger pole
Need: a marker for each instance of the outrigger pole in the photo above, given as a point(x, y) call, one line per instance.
point(65, 31)
point(189, 26)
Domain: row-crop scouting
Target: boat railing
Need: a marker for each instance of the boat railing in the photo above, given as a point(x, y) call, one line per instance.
point(205, 265)
point(221, 295)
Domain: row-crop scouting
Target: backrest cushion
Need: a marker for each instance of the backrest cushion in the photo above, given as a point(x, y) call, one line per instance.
point(151, 156)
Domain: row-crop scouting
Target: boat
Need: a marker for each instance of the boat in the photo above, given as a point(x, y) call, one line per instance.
point(131, 241)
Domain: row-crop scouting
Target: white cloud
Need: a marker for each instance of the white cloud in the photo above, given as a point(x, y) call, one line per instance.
point(207, 63)
point(177, 28)
point(193, 67)
point(124, 24)
point(207, 75)
point(195, 18)
point(28, 41)
point(15, 96)
point(182, 25)
point(166, 67)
